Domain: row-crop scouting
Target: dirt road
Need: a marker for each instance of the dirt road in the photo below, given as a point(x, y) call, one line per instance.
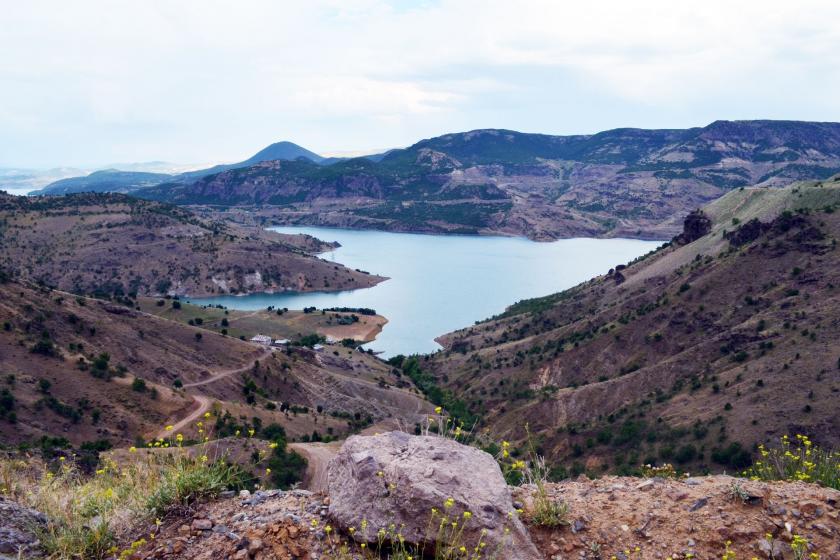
point(318, 456)
point(222, 374)
point(204, 402)
point(203, 406)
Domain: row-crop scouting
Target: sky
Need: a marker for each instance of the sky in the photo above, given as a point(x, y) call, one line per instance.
point(89, 83)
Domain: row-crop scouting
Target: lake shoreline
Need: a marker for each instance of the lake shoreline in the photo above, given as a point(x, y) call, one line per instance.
point(438, 284)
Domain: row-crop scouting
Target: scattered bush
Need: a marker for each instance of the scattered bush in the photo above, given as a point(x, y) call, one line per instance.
point(685, 454)
point(44, 346)
point(733, 456)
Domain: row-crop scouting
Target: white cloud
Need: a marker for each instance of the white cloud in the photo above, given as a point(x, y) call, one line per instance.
point(198, 79)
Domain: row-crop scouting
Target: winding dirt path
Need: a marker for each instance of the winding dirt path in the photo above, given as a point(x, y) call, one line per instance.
point(204, 402)
point(203, 406)
point(222, 374)
point(318, 456)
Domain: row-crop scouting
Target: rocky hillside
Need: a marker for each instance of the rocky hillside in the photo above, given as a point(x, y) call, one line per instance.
point(86, 369)
point(720, 340)
point(115, 244)
point(624, 182)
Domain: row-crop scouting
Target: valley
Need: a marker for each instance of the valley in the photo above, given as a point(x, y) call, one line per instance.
point(675, 358)
point(383, 280)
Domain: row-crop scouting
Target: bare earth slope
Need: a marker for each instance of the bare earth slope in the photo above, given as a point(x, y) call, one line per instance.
point(115, 244)
point(693, 354)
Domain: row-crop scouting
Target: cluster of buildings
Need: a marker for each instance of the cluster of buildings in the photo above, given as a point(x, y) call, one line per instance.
point(266, 340)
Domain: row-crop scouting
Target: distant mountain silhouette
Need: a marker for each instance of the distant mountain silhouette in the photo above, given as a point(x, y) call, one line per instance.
point(106, 180)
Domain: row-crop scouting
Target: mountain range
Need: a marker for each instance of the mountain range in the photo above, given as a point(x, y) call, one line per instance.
point(132, 177)
point(721, 339)
point(623, 182)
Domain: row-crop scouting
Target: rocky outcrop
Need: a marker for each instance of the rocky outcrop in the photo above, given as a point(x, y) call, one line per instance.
point(795, 227)
point(17, 526)
point(747, 233)
point(415, 483)
point(696, 225)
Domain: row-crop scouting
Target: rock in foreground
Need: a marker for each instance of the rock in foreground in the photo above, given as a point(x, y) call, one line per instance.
point(17, 526)
point(397, 480)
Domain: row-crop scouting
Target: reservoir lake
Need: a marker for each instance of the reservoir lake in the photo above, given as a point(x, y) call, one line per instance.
point(441, 283)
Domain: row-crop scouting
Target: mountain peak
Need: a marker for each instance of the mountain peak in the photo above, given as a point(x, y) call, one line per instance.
point(283, 150)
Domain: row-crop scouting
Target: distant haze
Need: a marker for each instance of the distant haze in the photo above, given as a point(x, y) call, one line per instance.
point(195, 81)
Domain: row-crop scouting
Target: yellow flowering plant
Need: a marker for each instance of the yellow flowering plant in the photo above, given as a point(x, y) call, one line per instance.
point(797, 459)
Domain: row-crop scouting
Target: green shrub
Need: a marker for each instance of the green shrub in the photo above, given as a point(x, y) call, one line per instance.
point(287, 467)
point(734, 456)
point(685, 454)
point(44, 346)
point(190, 480)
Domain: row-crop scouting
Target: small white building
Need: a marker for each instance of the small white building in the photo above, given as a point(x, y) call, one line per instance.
point(262, 339)
point(318, 347)
point(282, 342)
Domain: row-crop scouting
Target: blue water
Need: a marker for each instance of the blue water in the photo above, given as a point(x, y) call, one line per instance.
point(439, 283)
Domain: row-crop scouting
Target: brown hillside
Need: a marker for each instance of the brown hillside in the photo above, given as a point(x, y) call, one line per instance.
point(692, 354)
point(56, 337)
point(115, 244)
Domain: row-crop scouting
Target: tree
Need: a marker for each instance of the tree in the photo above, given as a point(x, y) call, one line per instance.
point(44, 385)
point(274, 432)
point(287, 467)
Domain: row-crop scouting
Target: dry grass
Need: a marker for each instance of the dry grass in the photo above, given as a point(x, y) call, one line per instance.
point(90, 514)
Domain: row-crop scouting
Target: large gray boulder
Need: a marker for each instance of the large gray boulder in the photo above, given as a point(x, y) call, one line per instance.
point(395, 480)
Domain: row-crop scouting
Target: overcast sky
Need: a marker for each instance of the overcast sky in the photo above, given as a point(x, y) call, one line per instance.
point(86, 83)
